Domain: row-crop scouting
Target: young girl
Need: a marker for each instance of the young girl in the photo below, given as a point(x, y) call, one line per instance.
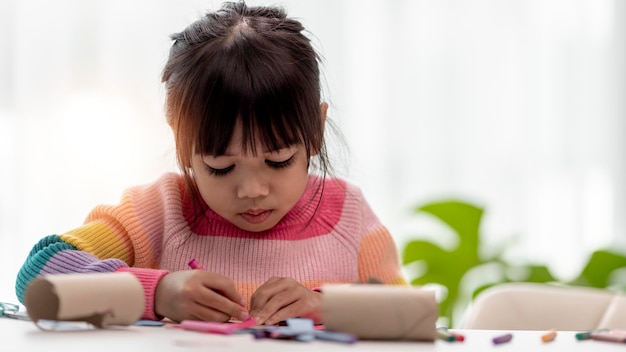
point(254, 203)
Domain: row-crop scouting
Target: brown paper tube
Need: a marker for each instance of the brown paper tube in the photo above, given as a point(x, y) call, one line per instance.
point(380, 312)
point(101, 299)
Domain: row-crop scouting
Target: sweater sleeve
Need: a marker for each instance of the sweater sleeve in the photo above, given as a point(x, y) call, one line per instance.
point(377, 254)
point(378, 258)
point(122, 238)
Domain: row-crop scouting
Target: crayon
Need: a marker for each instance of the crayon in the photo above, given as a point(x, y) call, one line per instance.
point(549, 336)
point(615, 335)
point(193, 263)
point(458, 336)
point(216, 328)
point(445, 335)
point(586, 335)
point(502, 339)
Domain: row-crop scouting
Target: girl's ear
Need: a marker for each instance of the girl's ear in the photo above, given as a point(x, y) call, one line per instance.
point(323, 112)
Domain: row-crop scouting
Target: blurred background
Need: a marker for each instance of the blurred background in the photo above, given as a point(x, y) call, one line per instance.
point(515, 106)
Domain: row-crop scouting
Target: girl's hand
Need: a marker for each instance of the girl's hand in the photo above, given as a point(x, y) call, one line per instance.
point(198, 295)
point(280, 298)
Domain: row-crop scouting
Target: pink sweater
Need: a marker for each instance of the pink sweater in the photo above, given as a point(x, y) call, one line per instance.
point(154, 230)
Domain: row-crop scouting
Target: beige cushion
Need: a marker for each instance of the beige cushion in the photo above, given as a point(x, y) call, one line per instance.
point(533, 306)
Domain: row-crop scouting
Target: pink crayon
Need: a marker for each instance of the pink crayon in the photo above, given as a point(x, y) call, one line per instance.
point(193, 263)
point(216, 328)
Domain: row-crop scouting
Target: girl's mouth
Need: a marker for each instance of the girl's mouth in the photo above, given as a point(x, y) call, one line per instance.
point(256, 217)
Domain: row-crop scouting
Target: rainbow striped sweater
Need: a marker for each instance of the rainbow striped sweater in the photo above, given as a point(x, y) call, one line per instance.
point(155, 229)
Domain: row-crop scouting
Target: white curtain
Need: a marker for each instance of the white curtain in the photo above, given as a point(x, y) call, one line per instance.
point(517, 106)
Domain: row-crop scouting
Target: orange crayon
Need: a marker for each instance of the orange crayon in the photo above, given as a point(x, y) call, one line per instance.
point(549, 336)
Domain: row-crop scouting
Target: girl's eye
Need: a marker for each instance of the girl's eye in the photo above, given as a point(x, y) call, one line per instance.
point(218, 172)
point(279, 164)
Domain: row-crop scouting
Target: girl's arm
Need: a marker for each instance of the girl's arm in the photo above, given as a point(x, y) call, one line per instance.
point(378, 258)
point(122, 238)
point(52, 255)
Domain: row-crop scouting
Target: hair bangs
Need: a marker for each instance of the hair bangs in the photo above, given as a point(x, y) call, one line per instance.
point(263, 93)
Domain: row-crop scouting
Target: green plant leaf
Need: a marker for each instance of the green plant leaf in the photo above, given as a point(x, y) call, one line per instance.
point(443, 267)
point(529, 273)
point(449, 267)
point(421, 250)
point(463, 218)
point(599, 267)
point(539, 273)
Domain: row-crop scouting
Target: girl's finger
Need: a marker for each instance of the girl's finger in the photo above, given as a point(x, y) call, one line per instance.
point(265, 292)
point(224, 286)
point(212, 301)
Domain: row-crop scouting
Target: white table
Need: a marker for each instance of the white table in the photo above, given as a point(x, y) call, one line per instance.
point(25, 336)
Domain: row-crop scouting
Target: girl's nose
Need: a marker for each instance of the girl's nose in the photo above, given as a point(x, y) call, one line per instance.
point(252, 186)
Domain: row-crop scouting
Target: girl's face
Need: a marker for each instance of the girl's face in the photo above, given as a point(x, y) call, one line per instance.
point(252, 192)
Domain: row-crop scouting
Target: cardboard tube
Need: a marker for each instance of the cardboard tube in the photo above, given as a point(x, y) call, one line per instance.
point(100, 298)
point(380, 312)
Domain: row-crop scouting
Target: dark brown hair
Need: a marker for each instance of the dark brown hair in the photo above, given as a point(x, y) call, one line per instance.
point(248, 64)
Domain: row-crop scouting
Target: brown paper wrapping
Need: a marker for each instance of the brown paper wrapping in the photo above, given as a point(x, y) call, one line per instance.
point(380, 312)
point(101, 298)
